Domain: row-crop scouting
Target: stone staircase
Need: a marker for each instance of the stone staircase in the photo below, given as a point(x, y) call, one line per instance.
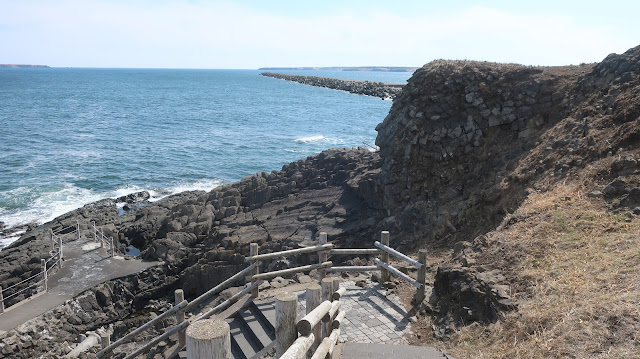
point(252, 330)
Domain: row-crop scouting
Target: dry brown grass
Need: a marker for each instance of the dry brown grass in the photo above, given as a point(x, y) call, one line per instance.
point(575, 269)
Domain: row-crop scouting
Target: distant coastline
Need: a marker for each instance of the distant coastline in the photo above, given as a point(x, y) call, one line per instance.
point(360, 68)
point(28, 66)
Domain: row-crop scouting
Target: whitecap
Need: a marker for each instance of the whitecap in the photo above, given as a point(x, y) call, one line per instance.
point(308, 139)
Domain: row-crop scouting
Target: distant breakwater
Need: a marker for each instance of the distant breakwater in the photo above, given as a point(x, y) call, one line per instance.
point(369, 88)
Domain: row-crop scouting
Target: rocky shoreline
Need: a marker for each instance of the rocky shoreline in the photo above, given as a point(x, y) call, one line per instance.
point(464, 144)
point(385, 91)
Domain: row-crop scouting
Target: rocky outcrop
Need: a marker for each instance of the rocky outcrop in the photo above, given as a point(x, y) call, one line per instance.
point(208, 234)
point(462, 296)
point(453, 136)
point(368, 88)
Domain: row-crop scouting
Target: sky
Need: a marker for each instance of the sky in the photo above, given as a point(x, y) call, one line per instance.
point(250, 34)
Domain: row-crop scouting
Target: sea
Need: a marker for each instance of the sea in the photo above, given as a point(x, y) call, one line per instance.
point(71, 136)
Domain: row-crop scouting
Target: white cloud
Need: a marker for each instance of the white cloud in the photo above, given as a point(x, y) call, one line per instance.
point(225, 35)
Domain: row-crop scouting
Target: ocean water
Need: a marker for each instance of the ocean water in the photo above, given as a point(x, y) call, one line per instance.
point(72, 136)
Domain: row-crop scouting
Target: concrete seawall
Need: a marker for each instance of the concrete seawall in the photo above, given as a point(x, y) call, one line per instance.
point(385, 91)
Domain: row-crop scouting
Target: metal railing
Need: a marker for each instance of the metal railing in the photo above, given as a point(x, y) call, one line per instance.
point(40, 285)
point(54, 261)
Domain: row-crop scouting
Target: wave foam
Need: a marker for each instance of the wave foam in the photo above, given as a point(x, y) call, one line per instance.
point(47, 206)
point(308, 139)
point(317, 139)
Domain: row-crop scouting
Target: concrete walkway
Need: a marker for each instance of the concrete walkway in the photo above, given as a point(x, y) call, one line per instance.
point(85, 265)
point(385, 351)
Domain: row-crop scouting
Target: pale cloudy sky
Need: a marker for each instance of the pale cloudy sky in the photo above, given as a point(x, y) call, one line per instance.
point(259, 33)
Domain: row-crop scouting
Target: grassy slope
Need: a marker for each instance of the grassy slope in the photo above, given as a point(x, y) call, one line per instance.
point(574, 267)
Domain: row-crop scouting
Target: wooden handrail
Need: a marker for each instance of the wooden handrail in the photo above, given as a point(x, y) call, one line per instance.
point(327, 311)
point(140, 329)
point(261, 257)
point(299, 348)
point(194, 303)
point(398, 273)
point(289, 271)
point(158, 339)
point(326, 347)
point(306, 324)
point(398, 255)
point(351, 269)
point(234, 298)
point(355, 251)
point(185, 324)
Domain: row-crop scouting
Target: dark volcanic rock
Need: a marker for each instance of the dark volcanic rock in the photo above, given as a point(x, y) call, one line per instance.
point(462, 296)
point(451, 139)
point(332, 192)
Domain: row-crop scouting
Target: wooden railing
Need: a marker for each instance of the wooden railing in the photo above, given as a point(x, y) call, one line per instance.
point(322, 304)
point(317, 332)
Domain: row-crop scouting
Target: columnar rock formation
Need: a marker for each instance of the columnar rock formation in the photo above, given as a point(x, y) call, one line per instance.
point(465, 141)
point(452, 137)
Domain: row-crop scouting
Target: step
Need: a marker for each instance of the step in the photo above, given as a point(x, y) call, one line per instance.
point(267, 311)
point(236, 352)
point(261, 328)
point(244, 340)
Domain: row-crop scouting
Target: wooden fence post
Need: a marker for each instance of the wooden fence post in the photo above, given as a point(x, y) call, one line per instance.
point(323, 254)
point(105, 341)
point(60, 255)
point(179, 297)
point(336, 286)
point(314, 298)
point(210, 339)
point(95, 231)
point(327, 292)
point(286, 332)
point(77, 230)
point(422, 275)
point(1, 301)
point(253, 251)
point(44, 274)
point(112, 246)
point(384, 239)
point(101, 238)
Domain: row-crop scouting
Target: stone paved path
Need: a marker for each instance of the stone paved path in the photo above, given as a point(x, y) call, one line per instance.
point(372, 315)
